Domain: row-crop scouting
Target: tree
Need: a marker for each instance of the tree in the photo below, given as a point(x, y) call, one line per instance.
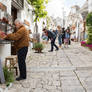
point(48, 21)
point(39, 9)
point(39, 12)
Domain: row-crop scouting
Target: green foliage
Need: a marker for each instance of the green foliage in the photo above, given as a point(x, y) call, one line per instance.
point(89, 19)
point(39, 8)
point(48, 21)
point(38, 46)
point(9, 76)
point(89, 26)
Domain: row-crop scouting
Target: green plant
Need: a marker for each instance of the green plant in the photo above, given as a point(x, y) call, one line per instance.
point(38, 47)
point(89, 19)
point(39, 9)
point(9, 76)
point(48, 21)
point(89, 26)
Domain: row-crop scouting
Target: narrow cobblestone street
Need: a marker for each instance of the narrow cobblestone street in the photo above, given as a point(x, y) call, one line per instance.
point(27, 26)
point(66, 70)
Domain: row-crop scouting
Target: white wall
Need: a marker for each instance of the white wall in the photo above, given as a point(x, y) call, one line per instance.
point(8, 4)
point(90, 5)
point(5, 50)
point(26, 15)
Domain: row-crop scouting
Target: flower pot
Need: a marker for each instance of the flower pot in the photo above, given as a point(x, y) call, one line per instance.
point(84, 45)
point(38, 50)
point(90, 48)
point(38, 47)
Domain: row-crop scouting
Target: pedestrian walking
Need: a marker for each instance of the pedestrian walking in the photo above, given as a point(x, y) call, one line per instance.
point(59, 35)
point(55, 32)
point(63, 35)
point(44, 38)
point(21, 42)
point(66, 40)
point(52, 37)
point(68, 28)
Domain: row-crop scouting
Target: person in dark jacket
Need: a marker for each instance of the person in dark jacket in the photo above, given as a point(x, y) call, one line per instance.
point(63, 35)
point(68, 28)
point(52, 37)
point(55, 32)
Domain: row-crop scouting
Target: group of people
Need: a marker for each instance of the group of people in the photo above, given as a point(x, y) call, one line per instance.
point(62, 34)
point(21, 42)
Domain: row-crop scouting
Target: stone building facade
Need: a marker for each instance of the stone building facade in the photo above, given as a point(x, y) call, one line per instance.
point(16, 9)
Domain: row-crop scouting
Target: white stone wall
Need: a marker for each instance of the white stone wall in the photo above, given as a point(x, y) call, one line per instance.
point(90, 5)
point(5, 49)
point(26, 15)
point(7, 3)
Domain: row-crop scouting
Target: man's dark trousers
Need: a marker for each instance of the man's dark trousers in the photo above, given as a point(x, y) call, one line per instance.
point(21, 61)
point(53, 44)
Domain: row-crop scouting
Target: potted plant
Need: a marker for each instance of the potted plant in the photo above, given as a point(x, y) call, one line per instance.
point(38, 47)
point(83, 43)
point(9, 76)
point(89, 46)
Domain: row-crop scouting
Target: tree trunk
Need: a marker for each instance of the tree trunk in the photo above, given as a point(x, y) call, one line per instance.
point(36, 34)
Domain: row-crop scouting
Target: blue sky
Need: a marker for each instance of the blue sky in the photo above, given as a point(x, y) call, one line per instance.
point(54, 7)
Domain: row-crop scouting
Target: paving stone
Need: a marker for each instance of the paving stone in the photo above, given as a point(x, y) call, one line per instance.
point(70, 81)
point(72, 89)
point(67, 70)
point(39, 90)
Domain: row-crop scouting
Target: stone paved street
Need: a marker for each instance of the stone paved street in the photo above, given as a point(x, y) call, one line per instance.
point(66, 70)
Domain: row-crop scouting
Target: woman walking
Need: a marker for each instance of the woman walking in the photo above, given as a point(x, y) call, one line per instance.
point(59, 36)
point(66, 40)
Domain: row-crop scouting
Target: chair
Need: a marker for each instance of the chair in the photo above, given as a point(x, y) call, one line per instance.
point(12, 64)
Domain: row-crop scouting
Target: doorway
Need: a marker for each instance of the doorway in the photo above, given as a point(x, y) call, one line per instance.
point(14, 16)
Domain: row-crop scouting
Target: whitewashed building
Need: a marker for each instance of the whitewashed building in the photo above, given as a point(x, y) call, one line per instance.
point(77, 20)
point(16, 9)
point(89, 5)
point(73, 20)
